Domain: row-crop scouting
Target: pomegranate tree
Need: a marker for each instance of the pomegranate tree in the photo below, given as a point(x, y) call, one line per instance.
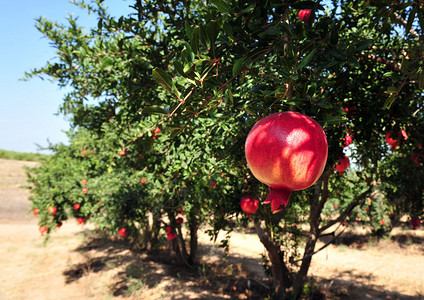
point(287, 151)
point(342, 164)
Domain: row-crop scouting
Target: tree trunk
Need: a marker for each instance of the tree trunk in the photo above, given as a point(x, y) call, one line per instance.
point(279, 270)
point(193, 242)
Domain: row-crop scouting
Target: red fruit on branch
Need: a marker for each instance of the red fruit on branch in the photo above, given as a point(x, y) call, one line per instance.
point(287, 151)
point(122, 232)
point(52, 210)
point(35, 211)
point(393, 139)
point(305, 15)
point(143, 180)
point(171, 236)
point(59, 224)
point(347, 140)
point(157, 130)
point(85, 190)
point(42, 229)
point(80, 220)
point(335, 206)
point(168, 229)
point(77, 206)
point(415, 223)
point(342, 165)
point(84, 181)
point(249, 205)
point(180, 220)
point(122, 153)
point(383, 222)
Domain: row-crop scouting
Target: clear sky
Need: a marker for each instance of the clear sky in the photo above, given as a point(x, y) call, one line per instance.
point(28, 108)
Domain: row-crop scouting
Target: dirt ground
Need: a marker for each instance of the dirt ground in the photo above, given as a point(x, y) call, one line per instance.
point(77, 263)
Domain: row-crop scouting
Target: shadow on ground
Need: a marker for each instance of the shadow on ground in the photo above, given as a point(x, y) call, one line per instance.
point(139, 270)
point(355, 289)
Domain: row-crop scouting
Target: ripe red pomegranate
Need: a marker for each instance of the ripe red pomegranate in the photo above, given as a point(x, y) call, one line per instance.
point(179, 220)
point(59, 224)
point(391, 138)
point(85, 190)
point(287, 151)
point(52, 210)
point(171, 236)
point(83, 181)
point(42, 229)
point(81, 220)
point(249, 205)
point(168, 229)
point(415, 223)
point(342, 165)
point(77, 206)
point(35, 211)
point(122, 232)
point(304, 15)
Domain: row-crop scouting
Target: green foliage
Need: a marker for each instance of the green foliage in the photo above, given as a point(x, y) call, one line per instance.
point(5, 154)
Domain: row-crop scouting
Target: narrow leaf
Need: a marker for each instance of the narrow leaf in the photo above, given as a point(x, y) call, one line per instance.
point(238, 65)
point(195, 40)
point(222, 6)
point(305, 61)
point(163, 79)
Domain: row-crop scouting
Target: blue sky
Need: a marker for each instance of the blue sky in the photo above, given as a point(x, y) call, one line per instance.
point(28, 108)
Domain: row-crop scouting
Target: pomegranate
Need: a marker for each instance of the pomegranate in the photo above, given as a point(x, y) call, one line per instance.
point(171, 236)
point(35, 211)
point(180, 220)
point(304, 15)
point(83, 181)
point(390, 138)
point(85, 190)
point(249, 205)
point(52, 210)
point(415, 223)
point(287, 151)
point(42, 229)
point(122, 232)
point(81, 220)
point(347, 140)
point(342, 165)
point(168, 229)
point(77, 206)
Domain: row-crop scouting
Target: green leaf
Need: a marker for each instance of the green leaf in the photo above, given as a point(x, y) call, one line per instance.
point(178, 66)
point(154, 110)
point(363, 45)
point(389, 101)
point(306, 59)
point(411, 19)
point(222, 6)
point(230, 94)
point(195, 40)
point(212, 31)
point(421, 80)
point(238, 65)
point(163, 79)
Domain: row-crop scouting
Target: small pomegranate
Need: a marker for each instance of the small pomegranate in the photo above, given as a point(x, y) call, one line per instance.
point(179, 220)
point(143, 180)
point(122, 152)
point(168, 229)
point(81, 220)
point(122, 232)
point(84, 190)
point(35, 211)
point(287, 151)
point(84, 181)
point(77, 206)
point(59, 224)
point(249, 205)
point(52, 210)
point(171, 236)
point(42, 229)
point(305, 15)
point(383, 222)
point(347, 140)
point(415, 223)
point(390, 138)
point(342, 165)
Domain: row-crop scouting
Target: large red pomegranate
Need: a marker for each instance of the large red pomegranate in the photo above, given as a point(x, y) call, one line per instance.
point(342, 164)
point(287, 151)
point(392, 139)
point(249, 205)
